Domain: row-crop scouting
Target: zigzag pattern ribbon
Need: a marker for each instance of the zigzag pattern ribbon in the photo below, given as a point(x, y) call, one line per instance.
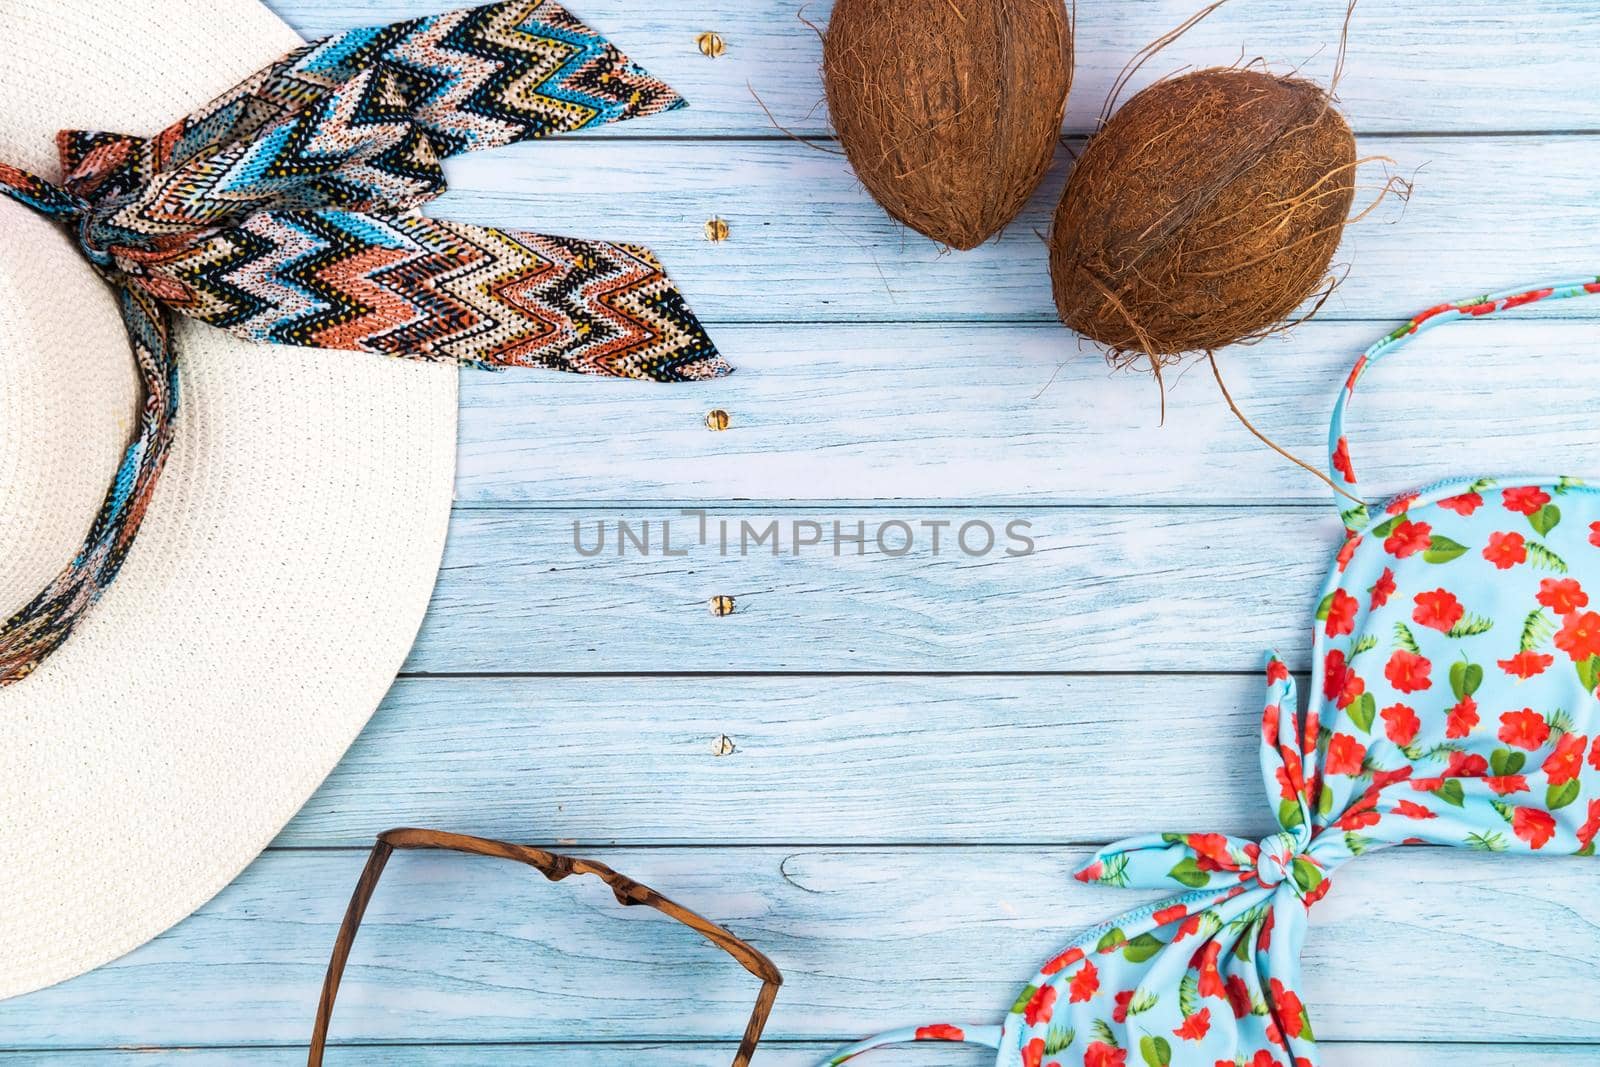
point(285, 212)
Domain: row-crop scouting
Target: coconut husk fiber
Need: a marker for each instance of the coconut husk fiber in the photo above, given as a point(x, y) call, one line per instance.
point(949, 110)
point(1202, 214)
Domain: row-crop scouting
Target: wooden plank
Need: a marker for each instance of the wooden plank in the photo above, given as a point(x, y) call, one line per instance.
point(799, 1054)
point(1106, 589)
point(985, 414)
point(1424, 65)
point(807, 244)
point(597, 761)
point(459, 949)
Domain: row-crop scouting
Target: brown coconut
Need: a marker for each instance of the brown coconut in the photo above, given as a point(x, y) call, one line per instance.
point(949, 110)
point(1203, 214)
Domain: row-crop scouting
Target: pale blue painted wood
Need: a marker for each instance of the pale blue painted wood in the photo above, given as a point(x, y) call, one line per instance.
point(1412, 945)
point(1106, 589)
point(904, 760)
point(982, 414)
point(807, 244)
point(771, 1054)
point(1422, 65)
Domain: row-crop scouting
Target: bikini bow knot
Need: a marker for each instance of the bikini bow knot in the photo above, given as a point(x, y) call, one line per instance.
point(285, 212)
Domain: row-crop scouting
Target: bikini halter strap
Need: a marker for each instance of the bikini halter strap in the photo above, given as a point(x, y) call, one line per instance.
point(1356, 516)
point(987, 1036)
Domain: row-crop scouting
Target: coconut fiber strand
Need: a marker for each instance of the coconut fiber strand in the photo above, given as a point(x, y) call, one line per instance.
point(1204, 213)
point(949, 110)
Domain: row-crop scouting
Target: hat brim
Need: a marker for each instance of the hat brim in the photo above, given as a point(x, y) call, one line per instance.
point(277, 584)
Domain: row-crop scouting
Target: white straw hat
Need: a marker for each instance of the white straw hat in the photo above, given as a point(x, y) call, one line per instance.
point(282, 571)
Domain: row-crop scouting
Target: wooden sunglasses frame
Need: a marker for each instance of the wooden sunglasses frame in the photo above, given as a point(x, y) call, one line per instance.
point(554, 867)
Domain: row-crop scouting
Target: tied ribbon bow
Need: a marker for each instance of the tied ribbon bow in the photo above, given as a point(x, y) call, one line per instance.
point(285, 212)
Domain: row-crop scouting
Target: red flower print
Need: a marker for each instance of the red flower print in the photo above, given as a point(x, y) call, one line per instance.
point(1190, 927)
point(1400, 724)
point(1580, 636)
point(1594, 534)
point(1466, 765)
point(1342, 610)
point(1041, 1007)
point(1239, 994)
point(1384, 779)
point(1262, 1058)
point(1291, 775)
point(1412, 810)
point(1098, 1054)
point(1408, 672)
point(1341, 462)
point(1211, 852)
point(1170, 915)
point(1506, 550)
point(1205, 961)
point(1290, 1011)
point(1345, 755)
point(1566, 762)
point(1534, 825)
point(1524, 729)
point(1465, 504)
point(1084, 984)
point(1119, 1014)
point(1033, 1054)
point(1090, 873)
point(1527, 665)
point(1438, 610)
point(1525, 500)
point(1194, 1027)
point(1264, 938)
point(1269, 721)
point(1340, 683)
point(1562, 595)
point(941, 1032)
point(1359, 819)
point(1277, 671)
point(1063, 961)
point(1347, 551)
point(1401, 504)
point(1594, 755)
point(1506, 784)
point(1463, 717)
point(1383, 588)
point(1591, 828)
point(1408, 538)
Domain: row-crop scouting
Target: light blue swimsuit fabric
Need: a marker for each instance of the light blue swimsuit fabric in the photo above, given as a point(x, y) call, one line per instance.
point(1455, 671)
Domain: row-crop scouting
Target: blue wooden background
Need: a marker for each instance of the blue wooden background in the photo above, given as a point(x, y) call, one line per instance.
point(881, 770)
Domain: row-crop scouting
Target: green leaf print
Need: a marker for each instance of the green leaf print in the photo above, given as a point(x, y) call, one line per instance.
point(1142, 1001)
point(1189, 994)
point(1023, 998)
point(1113, 938)
point(1385, 528)
point(1450, 792)
point(1187, 872)
point(1560, 723)
point(1058, 1038)
point(1354, 518)
point(1155, 1050)
point(1307, 875)
point(1537, 630)
point(1566, 485)
point(1289, 815)
point(1357, 843)
point(1366, 643)
point(1589, 673)
point(1504, 761)
point(1403, 638)
point(1465, 678)
point(1443, 550)
point(1362, 710)
point(1142, 948)
point(1104, 1034)
point(1559, 796)
point(1325, 607)
point(1486, 842)
point(1544, 559)
point(1471, 626)
point(1545, 519)
point(1502, 809)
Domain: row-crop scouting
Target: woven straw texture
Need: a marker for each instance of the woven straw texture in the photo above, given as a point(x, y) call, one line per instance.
point(283, 569)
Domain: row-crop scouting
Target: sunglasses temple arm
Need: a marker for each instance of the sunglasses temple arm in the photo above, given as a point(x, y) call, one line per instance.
point(758, 1023)
point(341, 948)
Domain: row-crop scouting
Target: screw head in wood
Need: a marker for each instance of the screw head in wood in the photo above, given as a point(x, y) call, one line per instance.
point(717, 419)
point(717, 230)
point(721, 605)
point(711, 44)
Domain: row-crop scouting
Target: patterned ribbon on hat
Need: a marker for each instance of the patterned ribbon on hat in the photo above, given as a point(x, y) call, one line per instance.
point(1455, 702)
point(285, 212)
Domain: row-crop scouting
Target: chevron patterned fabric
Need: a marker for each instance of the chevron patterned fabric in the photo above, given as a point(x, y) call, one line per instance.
point(285, 212)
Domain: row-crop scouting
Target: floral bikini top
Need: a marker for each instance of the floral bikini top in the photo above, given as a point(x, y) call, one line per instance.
point(1457, 658)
